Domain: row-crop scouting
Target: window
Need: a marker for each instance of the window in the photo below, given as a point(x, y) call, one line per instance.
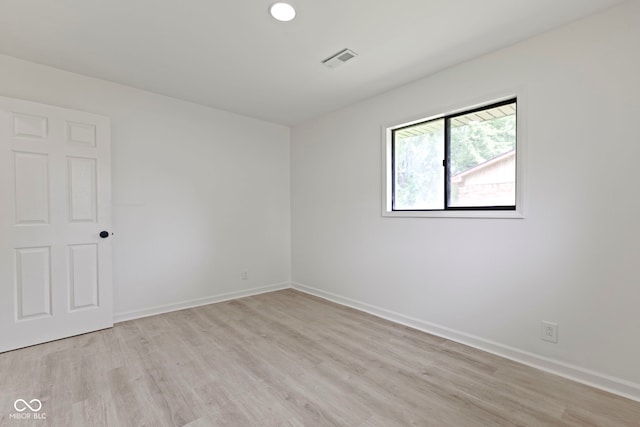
point(461, 164)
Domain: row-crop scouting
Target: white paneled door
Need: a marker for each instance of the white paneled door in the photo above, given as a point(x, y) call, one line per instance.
point(55, 223)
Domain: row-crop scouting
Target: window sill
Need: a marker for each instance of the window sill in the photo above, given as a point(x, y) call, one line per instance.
point(517, 214)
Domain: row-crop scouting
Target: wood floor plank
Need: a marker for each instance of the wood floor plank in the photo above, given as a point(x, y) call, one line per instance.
point(288, 359)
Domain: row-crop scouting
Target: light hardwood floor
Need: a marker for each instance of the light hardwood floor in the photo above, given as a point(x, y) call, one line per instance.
point(288, 359)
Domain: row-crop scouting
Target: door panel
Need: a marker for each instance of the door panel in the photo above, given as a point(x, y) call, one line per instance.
point(82, 189)
point(33, 292)
point(83, 276)
point(55, 270)
point(32, 188)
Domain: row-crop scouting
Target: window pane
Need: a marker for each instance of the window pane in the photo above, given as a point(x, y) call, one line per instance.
point(483, 158)
point(418, 152)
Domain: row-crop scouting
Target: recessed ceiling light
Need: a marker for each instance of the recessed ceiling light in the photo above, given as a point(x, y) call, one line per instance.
point(282, 11)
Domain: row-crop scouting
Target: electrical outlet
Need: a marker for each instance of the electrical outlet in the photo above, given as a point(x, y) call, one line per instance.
point(549, 331)
point(245, 274)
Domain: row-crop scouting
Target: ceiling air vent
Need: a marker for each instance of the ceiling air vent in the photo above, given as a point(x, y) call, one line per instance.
point(339, 58)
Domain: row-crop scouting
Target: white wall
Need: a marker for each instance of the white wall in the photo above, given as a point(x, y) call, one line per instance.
point(490, 282)
point(198, 194)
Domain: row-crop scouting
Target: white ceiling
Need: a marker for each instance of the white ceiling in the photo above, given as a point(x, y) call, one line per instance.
point(230, 54)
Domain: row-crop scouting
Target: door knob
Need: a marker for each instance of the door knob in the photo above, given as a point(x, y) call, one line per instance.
point(104, 234)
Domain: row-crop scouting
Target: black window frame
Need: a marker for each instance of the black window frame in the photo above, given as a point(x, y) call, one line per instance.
point(446, 161)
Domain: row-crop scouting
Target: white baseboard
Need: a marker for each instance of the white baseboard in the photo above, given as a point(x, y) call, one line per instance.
point(585, 376)
point(160, 309)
